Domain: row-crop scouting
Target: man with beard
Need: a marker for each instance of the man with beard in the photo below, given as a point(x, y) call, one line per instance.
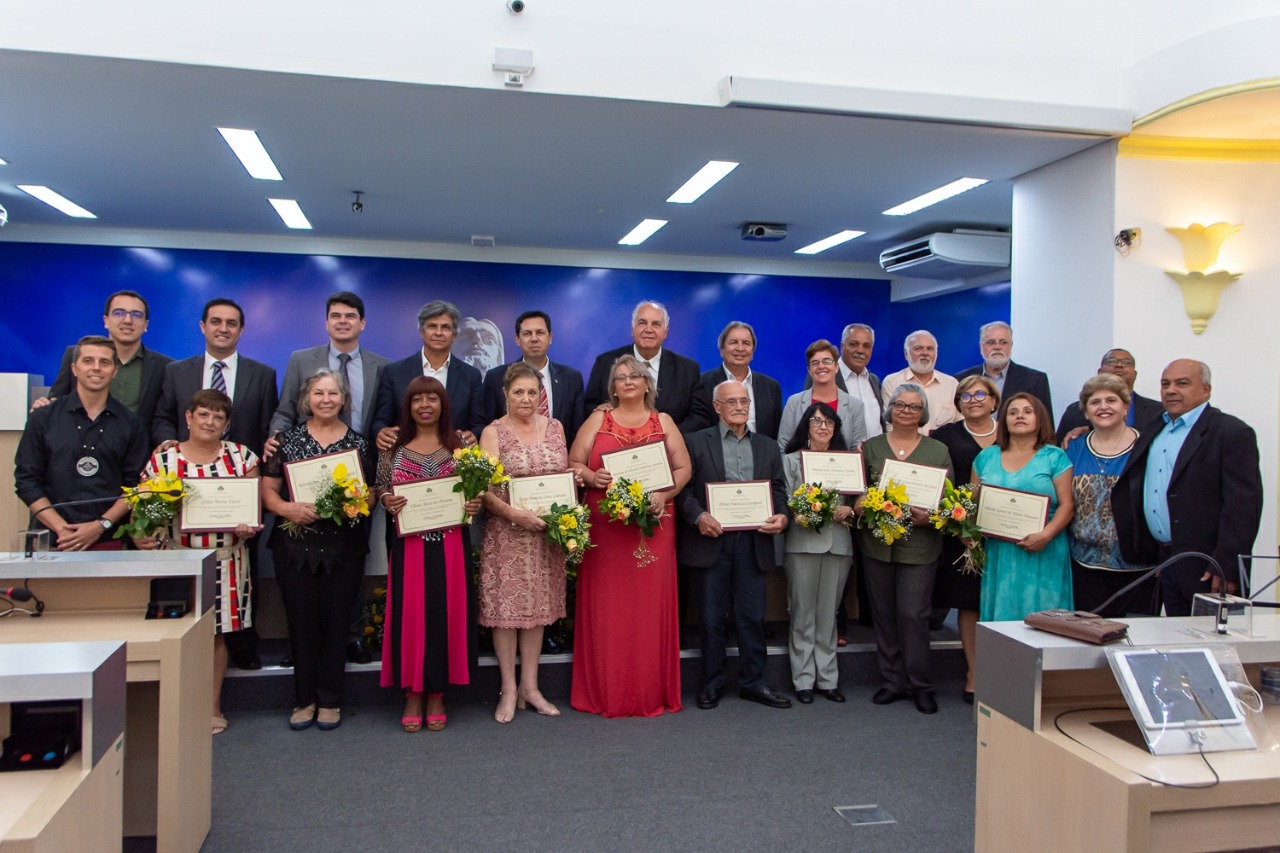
point(921, 352)
point(995, 340)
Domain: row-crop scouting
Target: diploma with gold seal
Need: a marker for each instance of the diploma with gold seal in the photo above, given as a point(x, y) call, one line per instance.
point(1011, 514)
point(215, 504)
point(743, 505)
point(432, 505)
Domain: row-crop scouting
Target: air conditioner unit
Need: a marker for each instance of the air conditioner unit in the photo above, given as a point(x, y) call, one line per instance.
point(948, 255)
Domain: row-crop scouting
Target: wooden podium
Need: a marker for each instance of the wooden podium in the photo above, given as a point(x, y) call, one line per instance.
point(1082, 787)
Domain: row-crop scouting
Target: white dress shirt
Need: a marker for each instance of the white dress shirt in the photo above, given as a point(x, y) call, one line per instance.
point(228, 373)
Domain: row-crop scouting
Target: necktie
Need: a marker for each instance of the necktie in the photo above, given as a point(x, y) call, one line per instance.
point(344, 361)
point(653, 377)
point(218, 382)
point(544, 408)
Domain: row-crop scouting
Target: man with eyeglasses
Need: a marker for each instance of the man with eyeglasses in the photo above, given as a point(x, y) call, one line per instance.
point(995, 341)
point(1143, 412)
point(139, 371)
point(921, 352)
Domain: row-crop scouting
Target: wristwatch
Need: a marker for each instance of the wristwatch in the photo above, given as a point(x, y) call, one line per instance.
point(106, 523)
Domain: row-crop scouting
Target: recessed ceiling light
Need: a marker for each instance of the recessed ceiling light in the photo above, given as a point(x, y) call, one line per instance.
point(642, 232)
point(290, 212)
point(3, 162)
point(833, 240)
point(246, 145)
point(706, 178)
point(53, 199)
point(934, 196)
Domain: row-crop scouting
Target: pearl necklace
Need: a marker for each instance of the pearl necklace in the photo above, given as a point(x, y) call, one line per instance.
point(991, 431)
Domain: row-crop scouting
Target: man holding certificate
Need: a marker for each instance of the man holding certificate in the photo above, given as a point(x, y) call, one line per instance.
point(734, 504)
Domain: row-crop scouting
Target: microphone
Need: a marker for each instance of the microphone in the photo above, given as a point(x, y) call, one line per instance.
point(1213, 565)
point(16, 593)
point(128, 493)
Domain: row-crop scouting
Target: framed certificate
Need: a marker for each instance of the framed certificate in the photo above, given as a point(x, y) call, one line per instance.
point(215, 504)
point(646, 463)
point(743, 505)
point(538, 494)
point(1010, 514)
point(432, 505)
point(835, 469)
point(308, 477)
point(923, 482)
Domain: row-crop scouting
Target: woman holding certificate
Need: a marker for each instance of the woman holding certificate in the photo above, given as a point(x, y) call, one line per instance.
point(900, 575)
point(817, 565)
point(428, 642)
point(319, 564)
point(206, 455)
point(823, 362)
point(1033, 572)
point(626, 639)
point(522, 576)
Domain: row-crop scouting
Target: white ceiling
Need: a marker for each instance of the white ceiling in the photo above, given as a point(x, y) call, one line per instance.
point(135, 143)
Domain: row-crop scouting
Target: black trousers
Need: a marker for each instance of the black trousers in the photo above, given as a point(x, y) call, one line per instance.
point(736, 577)
point(318, 609)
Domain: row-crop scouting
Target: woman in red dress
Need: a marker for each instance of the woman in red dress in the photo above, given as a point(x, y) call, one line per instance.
point(626, 639)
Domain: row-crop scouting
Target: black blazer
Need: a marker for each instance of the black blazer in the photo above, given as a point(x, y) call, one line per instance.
point(566, 397)
point(152, 381)
point(1146, 416)
point(766, 392)
point(254, 401)
point(680, 391)
point(465, 390)
point(1215, 494)
point(707, 456)
point(1017, 380)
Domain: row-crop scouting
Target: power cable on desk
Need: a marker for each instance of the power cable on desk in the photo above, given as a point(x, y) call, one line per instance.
point(1216, 778)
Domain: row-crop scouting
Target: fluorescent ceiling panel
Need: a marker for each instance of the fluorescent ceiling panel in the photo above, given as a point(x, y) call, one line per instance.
point(829, 242)
point(290, 212)
point(705, 178)
point(56, 200)
point(934, 196)
point(642, 232)
point(253, 156)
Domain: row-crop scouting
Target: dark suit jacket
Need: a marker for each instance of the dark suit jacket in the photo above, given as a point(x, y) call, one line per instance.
point(152, 380)
point(465, 390)
point(766, 392)
point(304, 362)
point(1017, 380)
point(1146, 416)
point(680, 391)
point(843, 386)
point(1215, 494)
point(254, 399)
point(707, 455)
point(566, 397)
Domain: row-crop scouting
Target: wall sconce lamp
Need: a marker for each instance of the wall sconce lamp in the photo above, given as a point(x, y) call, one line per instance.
point(1201, 289)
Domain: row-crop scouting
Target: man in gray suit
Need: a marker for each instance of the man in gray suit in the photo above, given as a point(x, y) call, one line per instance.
point(344, 321)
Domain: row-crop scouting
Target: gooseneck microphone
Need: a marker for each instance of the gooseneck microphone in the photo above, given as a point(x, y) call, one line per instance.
point(128, 493)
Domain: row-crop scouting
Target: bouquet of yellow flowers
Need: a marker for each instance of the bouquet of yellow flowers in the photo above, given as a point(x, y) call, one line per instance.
point(813, 505)
point(152, 504)
point(627, 501)
point(478, 470)
point(568, 527)
point(956, 515)
point(343, 501)
point(884, 510)
point(373, 618)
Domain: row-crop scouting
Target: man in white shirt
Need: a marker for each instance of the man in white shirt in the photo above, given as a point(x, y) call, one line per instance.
point(737, 347)
point(921, 352)
point(561, 394)
point(856, 343)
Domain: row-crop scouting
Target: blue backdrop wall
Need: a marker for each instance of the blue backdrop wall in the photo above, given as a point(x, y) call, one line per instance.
point(55, 294)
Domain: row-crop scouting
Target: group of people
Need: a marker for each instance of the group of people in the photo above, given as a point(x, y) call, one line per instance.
point(1129, 482)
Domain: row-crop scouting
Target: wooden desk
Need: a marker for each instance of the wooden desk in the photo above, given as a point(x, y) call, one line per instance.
point(1038, 789)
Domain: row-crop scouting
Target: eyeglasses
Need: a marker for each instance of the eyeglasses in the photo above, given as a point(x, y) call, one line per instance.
point(742, 402)
point(976, 395)
point(634, 377)
point(822, 362)
point(1119, 362)
point(822, 423)
point(913, 408)
point(120, 314)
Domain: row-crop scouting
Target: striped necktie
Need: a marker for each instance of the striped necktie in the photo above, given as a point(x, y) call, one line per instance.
point(544, 408)
point(218, 382)
point(344, 361)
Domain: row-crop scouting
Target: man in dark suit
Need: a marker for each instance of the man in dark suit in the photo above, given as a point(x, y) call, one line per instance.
point(996, 342)
point(1191, 485)
point(438, 326)
point(251, 385)
point(1144, 413)
point(679, 379)
point(737, 348)
point(344, 321)
point(732, 563)
point(139, 371)
point(561, 384)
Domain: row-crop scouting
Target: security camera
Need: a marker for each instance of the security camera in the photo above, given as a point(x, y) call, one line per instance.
point(357, 206)
point(4, 216)
point(515, 6)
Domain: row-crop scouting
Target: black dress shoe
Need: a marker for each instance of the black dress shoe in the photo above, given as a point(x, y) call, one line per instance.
point(286, 662)
point(766, 696)
point(833, 694)
point(246, 660)
point(709, 698)
point(967, 696)
point(804, 697)
point(358, 652)
point(885, 696)
point(926, 702)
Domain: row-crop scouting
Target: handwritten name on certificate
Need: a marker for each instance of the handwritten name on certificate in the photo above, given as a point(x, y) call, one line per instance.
point(646, 463)
point(308, 477)
point(432, 505)
point(923, 482)
point(835, 469)
point(214, 504)
point(1011, 514)
point(539, 494)
point(744, 505)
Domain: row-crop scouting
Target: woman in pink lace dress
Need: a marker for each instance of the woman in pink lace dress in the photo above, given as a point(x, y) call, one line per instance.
point(522, 578)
